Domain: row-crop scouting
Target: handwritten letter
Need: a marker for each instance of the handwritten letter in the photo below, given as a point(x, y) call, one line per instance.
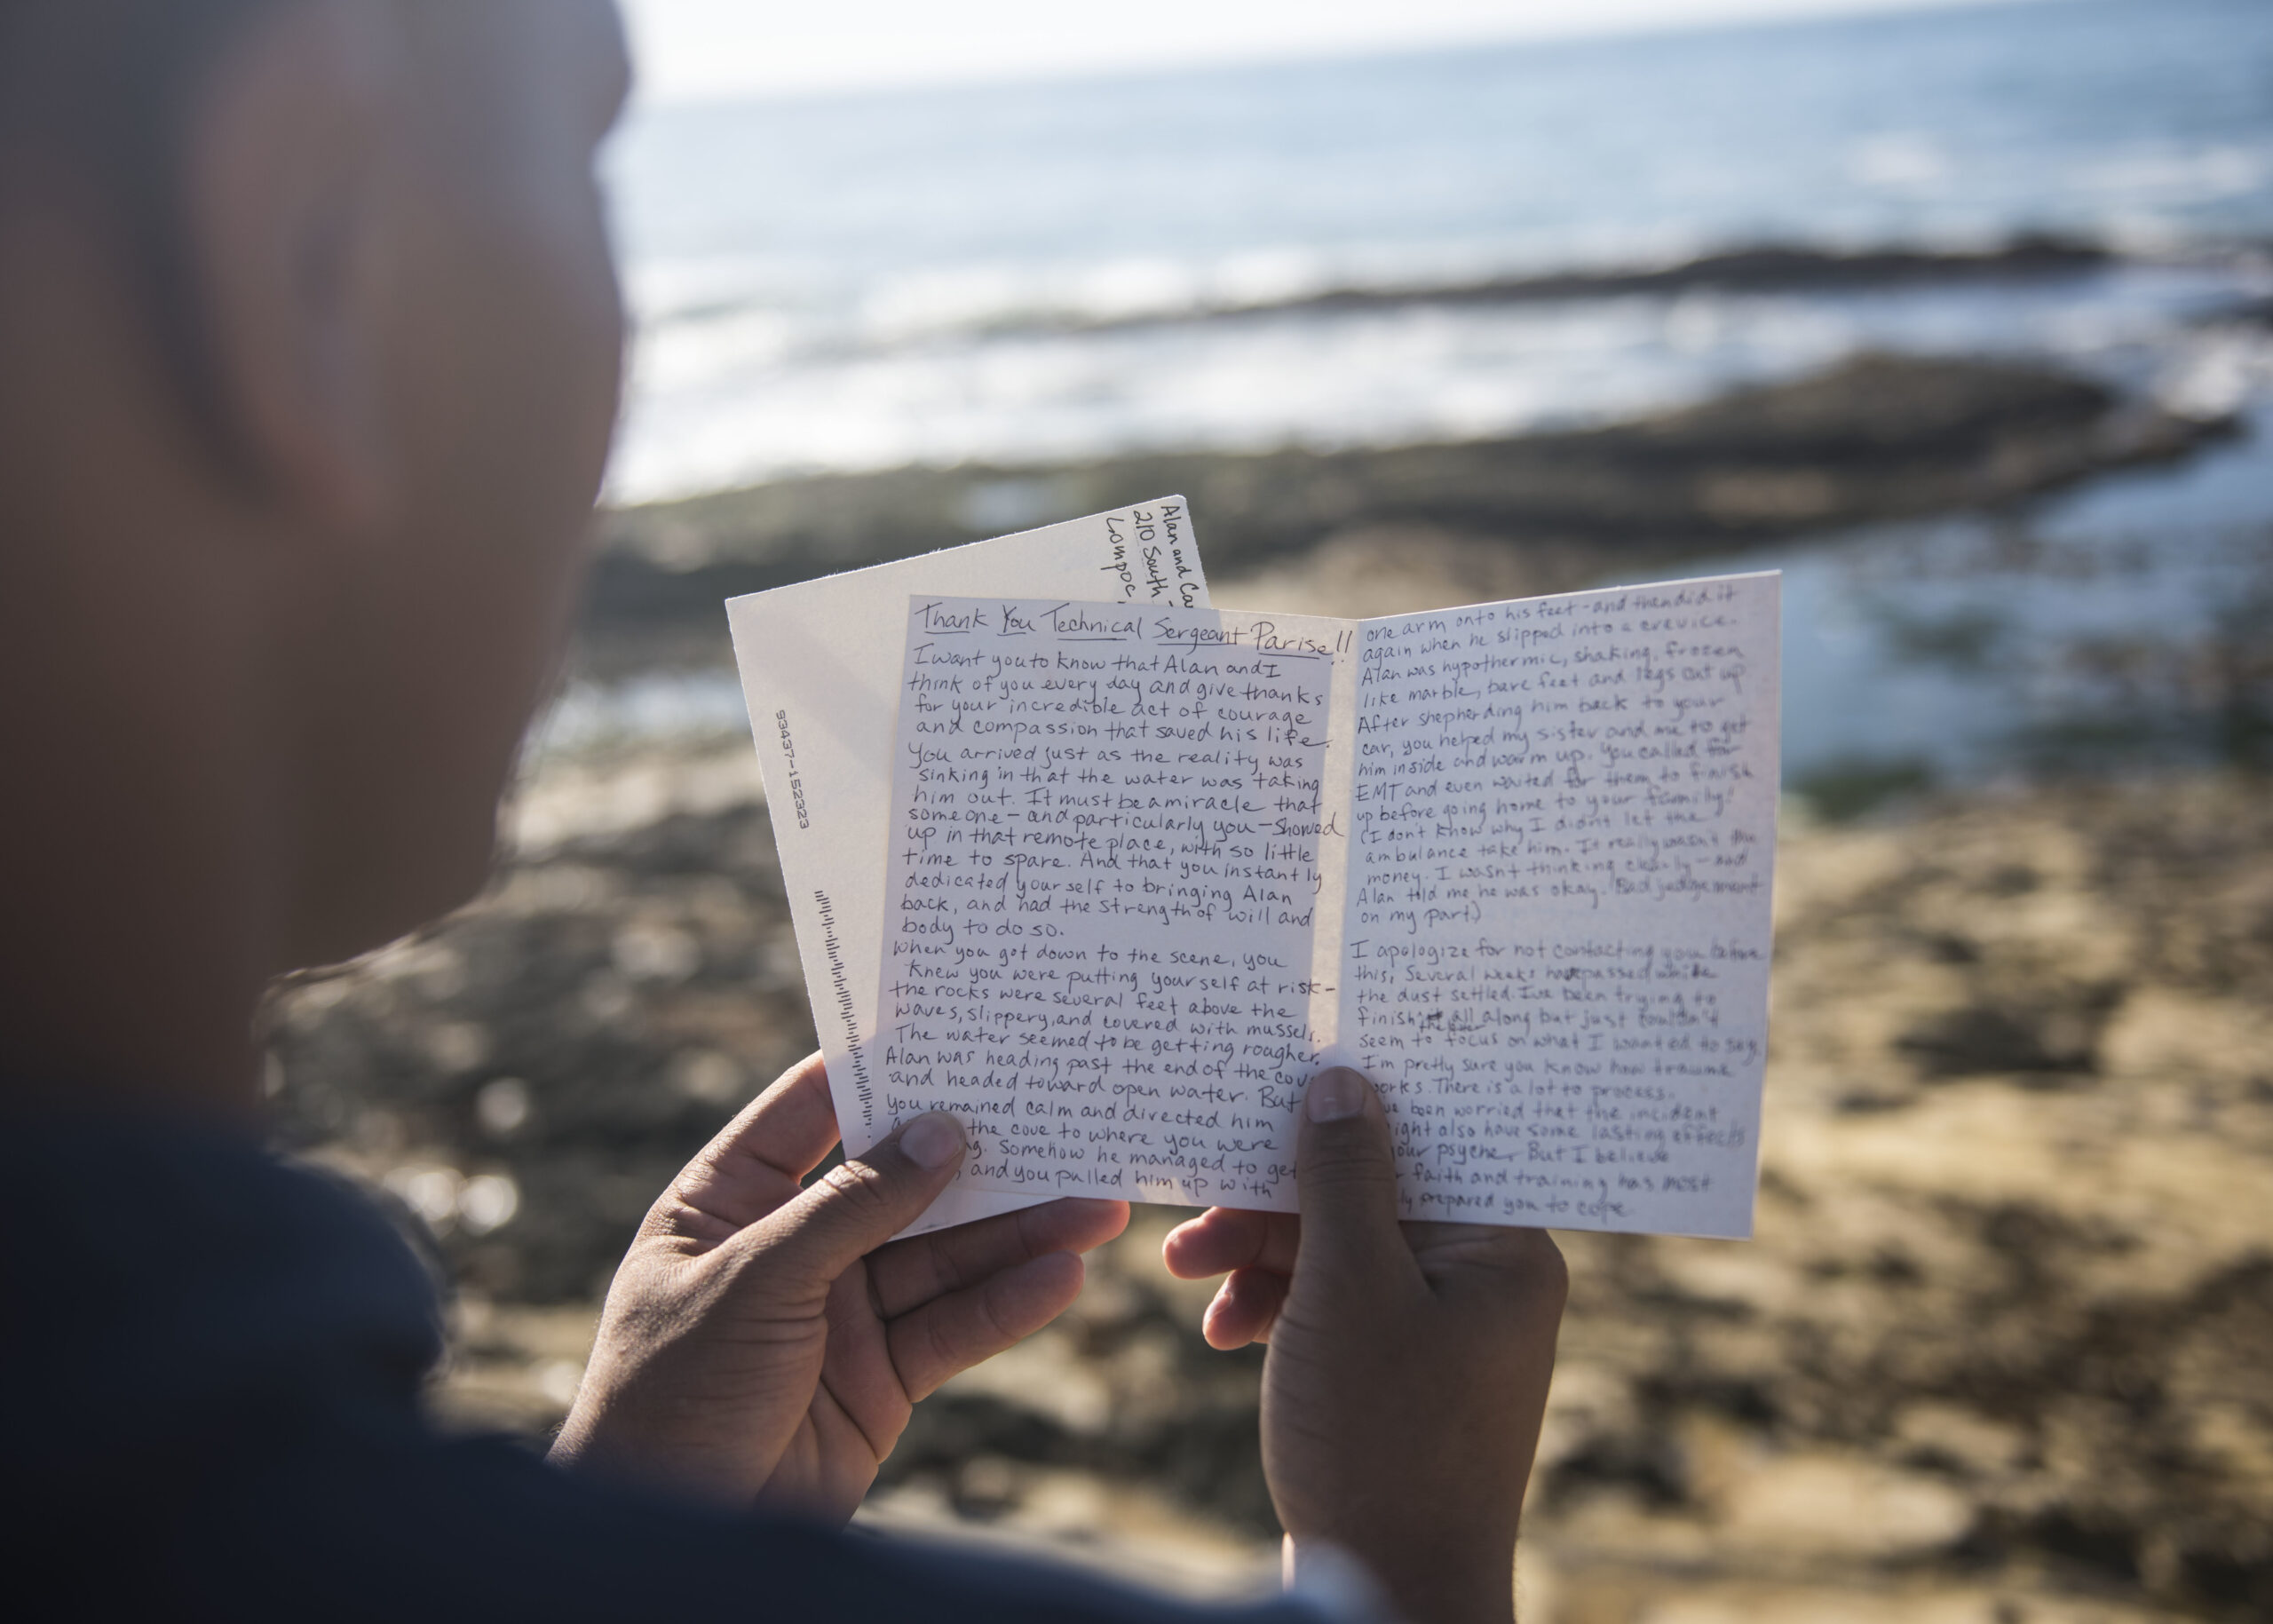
point(820, 664)
point(1108, 847)
point(1563, 838)
point(1149, 867)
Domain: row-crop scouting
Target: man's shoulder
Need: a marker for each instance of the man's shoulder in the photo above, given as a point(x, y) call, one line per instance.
point(223, 1354)
point(174, 1272)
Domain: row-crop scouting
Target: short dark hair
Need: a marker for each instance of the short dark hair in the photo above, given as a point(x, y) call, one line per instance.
point(103, 89)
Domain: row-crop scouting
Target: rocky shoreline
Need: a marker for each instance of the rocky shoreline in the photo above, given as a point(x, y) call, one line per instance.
point(1878, 437)
point(1763, 268)
point(1998, 1351)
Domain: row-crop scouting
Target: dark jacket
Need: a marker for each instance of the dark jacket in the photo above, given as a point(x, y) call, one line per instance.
point(210, 1371)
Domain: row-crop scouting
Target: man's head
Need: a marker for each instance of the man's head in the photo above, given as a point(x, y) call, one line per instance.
point(309, 353)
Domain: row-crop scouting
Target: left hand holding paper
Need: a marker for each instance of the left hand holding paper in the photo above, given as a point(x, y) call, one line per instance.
point(762, 1344)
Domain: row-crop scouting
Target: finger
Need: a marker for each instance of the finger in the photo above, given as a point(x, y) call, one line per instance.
point(757, 1161)
point(861, 1203)
point(909, 1273)
point(951, 1334)
point(1246, 1307)
point(1348, 1178)
point(1482, 1243)
point(1522, 1269)
point(1226, 1238)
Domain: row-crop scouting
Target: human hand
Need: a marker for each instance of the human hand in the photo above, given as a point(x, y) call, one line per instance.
point(763, 1345)
point(1408, 1365)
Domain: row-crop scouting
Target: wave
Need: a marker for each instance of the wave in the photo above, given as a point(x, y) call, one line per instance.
point(693, 326)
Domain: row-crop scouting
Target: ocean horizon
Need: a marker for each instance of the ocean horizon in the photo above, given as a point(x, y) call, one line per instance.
point(1467, 246)
point(1035, 272)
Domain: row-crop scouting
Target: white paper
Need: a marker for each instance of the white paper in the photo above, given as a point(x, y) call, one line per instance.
point(1148, 869)
point(820, 664)
point(1562, 849)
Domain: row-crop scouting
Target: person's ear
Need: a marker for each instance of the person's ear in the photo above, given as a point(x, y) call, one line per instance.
point(286, 196)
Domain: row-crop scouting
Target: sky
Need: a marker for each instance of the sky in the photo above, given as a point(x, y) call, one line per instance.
point(693, 50)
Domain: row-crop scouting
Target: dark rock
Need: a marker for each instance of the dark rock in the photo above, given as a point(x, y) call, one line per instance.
point(1982, 1040)
point(1878, 436)
point(1769, 268)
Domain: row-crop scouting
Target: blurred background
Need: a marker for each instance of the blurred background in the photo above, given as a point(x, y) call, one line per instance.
point(1962, 316)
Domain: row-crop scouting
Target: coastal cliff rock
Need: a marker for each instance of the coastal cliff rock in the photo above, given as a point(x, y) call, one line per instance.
point(1878, 437)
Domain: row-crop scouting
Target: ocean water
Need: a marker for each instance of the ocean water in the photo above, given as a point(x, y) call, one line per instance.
point(1044, 272)
point(946, 275)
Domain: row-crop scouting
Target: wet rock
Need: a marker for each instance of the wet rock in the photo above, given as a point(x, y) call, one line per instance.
point(1983, 1039)
point(1765, 269)
point(1878, 436)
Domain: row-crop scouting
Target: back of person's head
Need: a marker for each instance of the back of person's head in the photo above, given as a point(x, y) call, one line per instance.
point(94, 95)
point(309, 350)
point(107, 81)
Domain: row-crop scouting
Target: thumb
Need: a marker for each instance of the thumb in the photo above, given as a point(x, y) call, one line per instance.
point(1347, 1176)
point(855, 1207)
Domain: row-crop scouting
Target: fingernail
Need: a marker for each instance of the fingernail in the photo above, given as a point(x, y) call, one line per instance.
point(933, 1141)
point(1336, 1095)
